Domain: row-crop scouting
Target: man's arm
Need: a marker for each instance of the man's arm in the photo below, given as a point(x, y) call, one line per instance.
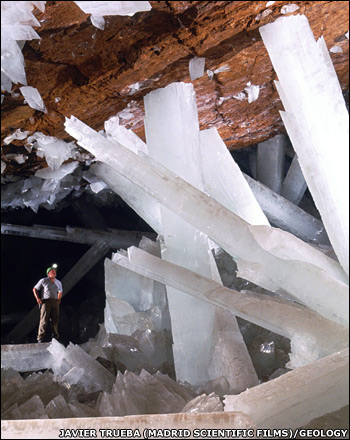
point(37, 297)
point(59, 295)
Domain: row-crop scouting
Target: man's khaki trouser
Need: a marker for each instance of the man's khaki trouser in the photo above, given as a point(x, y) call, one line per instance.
point(49, 310)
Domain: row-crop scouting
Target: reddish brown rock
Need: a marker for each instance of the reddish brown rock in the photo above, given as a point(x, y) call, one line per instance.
point(86, 72)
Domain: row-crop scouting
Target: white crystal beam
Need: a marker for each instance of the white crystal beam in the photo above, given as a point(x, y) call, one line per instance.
point(115, 238)
point(287, 216)
point(173, 139)
point(177, 148)
point(294, 266)
point(316, 119)
point(294, 184)
point(26, 357)
point(146, 206)
point(297, 397)
point(225, 182)
point(270, 162)
point(312, 335)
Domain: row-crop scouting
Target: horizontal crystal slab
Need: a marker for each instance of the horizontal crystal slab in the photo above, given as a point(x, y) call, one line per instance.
point(312, 335)
point(297, 397)
point(26, 357)
point(121, 425)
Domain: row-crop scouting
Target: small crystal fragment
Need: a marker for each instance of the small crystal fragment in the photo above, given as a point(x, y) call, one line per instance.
point(263, 14)
point(241, 96)
point(210, 74)
point(134, 88)
point(223, 68)
point(20, 158)
point(336, 49)
point(98, 21)
point(59, 173)
point(288, 9)
point(196, 67)
point(252, 92)
point(54, 150)
point(33, 98)
point(18, 134)
point(96, 187)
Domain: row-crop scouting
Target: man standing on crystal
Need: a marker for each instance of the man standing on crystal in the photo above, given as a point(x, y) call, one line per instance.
point(48, 301)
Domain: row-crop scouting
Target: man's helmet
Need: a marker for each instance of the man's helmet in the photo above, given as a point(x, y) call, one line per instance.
point(54, 266)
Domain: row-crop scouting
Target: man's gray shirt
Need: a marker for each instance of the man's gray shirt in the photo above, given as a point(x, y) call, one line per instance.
point(49, 289)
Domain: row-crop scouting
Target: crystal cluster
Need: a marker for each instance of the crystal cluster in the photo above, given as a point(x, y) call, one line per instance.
point(211, 365)
point(42, 190)
point(17, 20)
point(92, 380)
point(144, 394)
point(52, 184)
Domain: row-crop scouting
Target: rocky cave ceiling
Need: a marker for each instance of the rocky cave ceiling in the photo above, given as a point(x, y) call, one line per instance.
point(87, 72)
